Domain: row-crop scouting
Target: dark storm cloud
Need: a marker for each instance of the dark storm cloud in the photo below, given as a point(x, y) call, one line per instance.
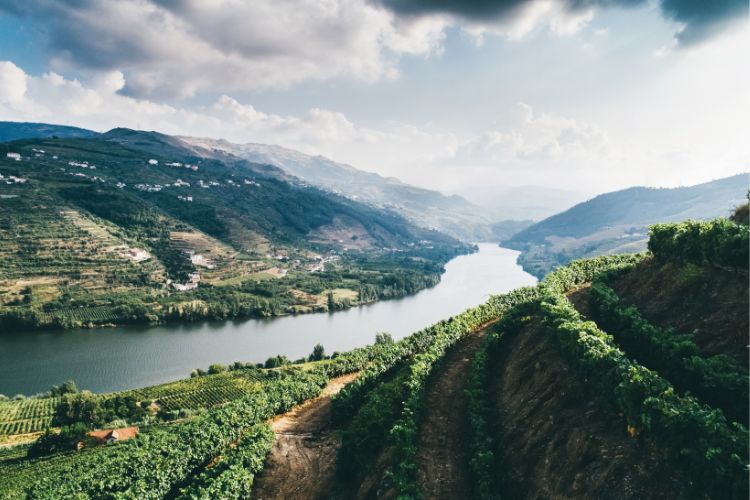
point(701, 18)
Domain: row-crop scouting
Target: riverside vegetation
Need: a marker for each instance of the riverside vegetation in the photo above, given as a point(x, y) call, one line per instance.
point(136, 227)
point(664, 398)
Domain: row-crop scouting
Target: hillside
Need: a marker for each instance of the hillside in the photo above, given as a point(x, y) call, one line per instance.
point(617, 222)
point(585, 386)
point(13, 131)
point(453, 215)
point(135, 226)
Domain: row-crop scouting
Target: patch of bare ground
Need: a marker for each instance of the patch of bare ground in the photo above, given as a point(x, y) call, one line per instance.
point(302, 463)
point(443, 455)
point(555, 440)
point(712, 303)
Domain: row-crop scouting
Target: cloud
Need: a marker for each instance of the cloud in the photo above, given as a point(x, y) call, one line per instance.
point(698, 19)
point(172, 49)
point(530, 147)
point(177, 48)
point(12, 84)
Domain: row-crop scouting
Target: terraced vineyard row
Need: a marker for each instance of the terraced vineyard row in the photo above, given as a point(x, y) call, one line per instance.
point(28, 415)
point(396, 405)
point(202, 392)
point(694, 436)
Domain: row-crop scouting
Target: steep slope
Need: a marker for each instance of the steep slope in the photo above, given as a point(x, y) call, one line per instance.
point(554, 440)
point(616, 222)
point(451, 214)
point(260, 245)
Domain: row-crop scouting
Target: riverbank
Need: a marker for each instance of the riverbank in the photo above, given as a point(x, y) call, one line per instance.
point(112, 359)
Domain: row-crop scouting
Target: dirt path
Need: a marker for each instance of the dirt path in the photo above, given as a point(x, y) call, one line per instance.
point(303, 460)
point(442, 456)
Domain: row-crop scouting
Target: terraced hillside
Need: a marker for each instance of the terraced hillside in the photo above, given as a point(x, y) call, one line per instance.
point(131, 226)
point(565, 389)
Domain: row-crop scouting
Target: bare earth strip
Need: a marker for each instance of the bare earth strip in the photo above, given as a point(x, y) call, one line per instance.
point(302, 462)
point(442, 457)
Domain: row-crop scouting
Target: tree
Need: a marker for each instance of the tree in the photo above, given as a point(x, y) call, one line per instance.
point(318, 353)
point(276, 361)
point(216, 368)
point(383, 338)
point(67, 387)
point(49, 442)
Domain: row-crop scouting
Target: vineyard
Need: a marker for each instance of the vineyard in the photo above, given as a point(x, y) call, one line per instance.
point(617, 383)
point(202, 392)
point(26, 416)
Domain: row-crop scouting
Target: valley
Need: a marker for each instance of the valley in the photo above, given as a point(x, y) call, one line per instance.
point(648, 406)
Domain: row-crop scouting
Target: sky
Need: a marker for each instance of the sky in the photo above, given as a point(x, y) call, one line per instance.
point(582, 95)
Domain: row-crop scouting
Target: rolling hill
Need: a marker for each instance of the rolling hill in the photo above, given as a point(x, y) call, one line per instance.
point(617, 222)
point(138, 226)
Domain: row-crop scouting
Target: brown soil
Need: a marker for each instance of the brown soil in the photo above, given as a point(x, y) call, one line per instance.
point(302, 462)
point(443, 455)
point(554, 440)
point(710, 302)
point(580, 300)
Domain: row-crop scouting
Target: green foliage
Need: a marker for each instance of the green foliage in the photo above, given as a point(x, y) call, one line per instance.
point(318, 353)
point(720, 242)
point(67, 387)
point(714, 451)
point(65, 440)
point(716, 380)
point(232, 477)
point(276, 362)
point(96, 411)
point(383, 338)
point(216, 368)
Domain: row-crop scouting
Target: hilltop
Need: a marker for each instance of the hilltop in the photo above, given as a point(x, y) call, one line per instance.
point(139, 226)
point(617, 222)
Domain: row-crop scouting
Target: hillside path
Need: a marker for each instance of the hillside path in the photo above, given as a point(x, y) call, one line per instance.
point(443, 455)
point(302, 462)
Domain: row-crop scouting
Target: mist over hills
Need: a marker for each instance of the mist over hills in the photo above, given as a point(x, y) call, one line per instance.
point(453, 214)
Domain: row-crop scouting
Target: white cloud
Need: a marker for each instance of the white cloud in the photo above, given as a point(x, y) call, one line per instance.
point(533, 148)
point(181, 48)
point(12, 84)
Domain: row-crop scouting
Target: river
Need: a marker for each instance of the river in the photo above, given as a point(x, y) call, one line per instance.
point(110, 359)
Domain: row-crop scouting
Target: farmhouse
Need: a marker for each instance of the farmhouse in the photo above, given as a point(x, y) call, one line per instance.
point(107, 436)
point(14, 156)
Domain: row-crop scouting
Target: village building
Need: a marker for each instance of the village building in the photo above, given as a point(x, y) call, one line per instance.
point(153, 162)
point(108, 436)
point(138, 254)
point(14, 156)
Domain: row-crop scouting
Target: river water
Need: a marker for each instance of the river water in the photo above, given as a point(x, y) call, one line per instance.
point(109, 359)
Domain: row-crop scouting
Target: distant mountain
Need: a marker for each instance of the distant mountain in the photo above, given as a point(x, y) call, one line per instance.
point(523, 202)
point(453, 215)
point(617, 222)
point(12, 131)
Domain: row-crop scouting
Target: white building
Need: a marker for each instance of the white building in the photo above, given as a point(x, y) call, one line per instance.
point(153, 162)
point(14, 156)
